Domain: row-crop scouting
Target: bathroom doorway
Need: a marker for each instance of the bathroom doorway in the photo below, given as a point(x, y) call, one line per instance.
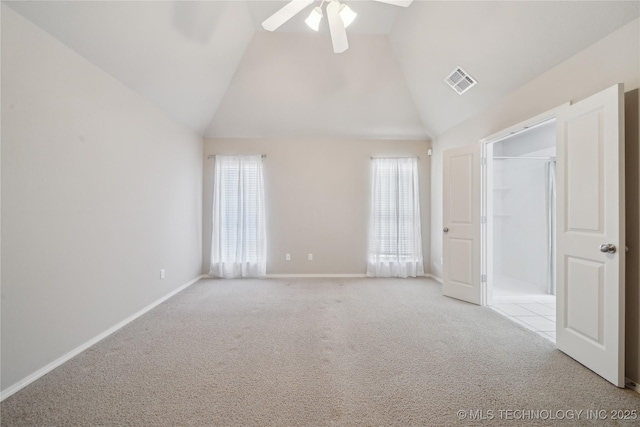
point(590, 230)
point(521, 227)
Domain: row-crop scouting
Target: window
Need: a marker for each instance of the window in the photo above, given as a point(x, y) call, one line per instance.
point(238, 242)
point(395, 242)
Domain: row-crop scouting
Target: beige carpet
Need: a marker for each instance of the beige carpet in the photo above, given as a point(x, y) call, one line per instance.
point(316, 352)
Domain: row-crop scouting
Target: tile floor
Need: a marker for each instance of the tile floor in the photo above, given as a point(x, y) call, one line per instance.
point(535, 312)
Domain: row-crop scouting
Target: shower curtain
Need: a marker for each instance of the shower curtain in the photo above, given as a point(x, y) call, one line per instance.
point(550, 171)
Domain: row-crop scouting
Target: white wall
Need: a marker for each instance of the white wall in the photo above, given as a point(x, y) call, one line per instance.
point(614, 59)
point(100, 190)
point(317, 199)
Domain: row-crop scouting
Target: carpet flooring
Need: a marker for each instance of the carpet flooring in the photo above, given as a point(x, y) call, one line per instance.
point(319, 352)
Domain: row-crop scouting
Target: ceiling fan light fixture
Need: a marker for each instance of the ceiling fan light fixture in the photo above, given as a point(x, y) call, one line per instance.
point(347, 15)
point(339, 17)
point(313, 21)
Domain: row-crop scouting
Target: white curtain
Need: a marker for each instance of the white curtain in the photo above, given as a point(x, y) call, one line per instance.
point(238, 238)
point(395, 241)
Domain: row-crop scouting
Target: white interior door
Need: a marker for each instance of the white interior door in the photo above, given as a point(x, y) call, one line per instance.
point(590, 216)
point(461, 224)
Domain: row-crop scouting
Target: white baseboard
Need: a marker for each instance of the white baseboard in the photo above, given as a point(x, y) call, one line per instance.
point(286, 276)
point(431, 276)
point(280, 276)
point(630, 384)
point(59, 361)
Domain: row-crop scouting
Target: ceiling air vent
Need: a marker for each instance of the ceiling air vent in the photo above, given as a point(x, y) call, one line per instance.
point(460, 81)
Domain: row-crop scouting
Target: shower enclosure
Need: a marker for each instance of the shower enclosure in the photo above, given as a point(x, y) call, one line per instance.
point(524, 225)
point(522, 188)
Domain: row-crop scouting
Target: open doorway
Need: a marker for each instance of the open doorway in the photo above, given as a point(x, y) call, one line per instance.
point(590, 230)
point(521, 226)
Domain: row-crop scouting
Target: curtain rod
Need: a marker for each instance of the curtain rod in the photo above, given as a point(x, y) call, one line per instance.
point(523, 157)
point(210, 156)
point(410, 157)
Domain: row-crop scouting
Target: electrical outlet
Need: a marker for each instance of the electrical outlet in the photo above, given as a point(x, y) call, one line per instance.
point(162, 274)
point(287, 257)
point(310, 257)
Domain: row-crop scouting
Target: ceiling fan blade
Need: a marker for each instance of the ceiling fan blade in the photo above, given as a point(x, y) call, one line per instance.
point(287, 12)
point(336, 27)
point(403, 3)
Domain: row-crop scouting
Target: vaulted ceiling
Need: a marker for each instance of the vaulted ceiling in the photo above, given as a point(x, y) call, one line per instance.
point(212, 67)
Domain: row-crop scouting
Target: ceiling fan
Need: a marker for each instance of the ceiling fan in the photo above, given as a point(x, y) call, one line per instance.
point(339, 16)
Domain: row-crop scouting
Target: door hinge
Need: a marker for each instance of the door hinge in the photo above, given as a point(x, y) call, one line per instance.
point(483, 278)
point(483, 219)
point(484, 161)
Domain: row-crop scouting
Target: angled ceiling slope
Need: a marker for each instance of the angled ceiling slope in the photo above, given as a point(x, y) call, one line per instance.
point(189, 59)
point(293, 85)
point(179, 55)
point(503, 45)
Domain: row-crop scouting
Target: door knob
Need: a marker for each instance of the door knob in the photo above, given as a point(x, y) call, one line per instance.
point(608, 248)
point(446, 229)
